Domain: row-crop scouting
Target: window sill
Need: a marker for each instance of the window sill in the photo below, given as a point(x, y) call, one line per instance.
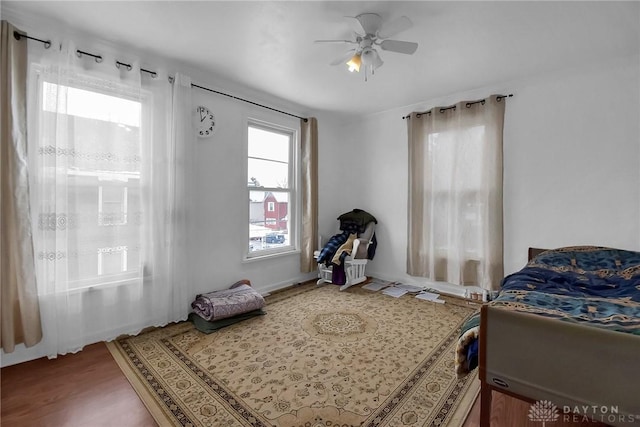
point(100, 286)
point(269, 256)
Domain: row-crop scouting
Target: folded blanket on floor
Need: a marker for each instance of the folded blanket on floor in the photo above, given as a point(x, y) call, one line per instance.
point(241, 298)
point(211, 326)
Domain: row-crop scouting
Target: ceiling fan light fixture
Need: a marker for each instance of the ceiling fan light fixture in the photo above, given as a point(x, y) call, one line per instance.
point(367, 57)
point(377, 61)
point(371, 34)
point(354, 63)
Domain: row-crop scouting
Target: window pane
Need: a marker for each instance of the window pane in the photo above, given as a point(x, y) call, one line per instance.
point(456, 156)
point(74, 102)
point(269, 165)
point(98, 157)
point(102, 243)
point(268, 158)
point(270, 145)
point(268, 220)
point(267, 173)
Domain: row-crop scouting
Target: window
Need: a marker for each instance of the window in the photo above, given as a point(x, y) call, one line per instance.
point(89, 162)
point(455, 194)
point(460, 201)
point(271, 186)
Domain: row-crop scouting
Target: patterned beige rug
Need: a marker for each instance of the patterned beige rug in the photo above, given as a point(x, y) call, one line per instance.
point(319, 357)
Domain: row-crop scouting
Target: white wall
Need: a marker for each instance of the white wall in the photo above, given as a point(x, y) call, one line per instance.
point(340, 172)
point(572, 151)
point(571, 157)
point(220, 210)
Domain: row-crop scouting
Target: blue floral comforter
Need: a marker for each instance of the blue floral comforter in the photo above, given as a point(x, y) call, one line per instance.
point(585, 284)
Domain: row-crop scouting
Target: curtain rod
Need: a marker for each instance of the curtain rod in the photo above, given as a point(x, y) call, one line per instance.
point(18, 36)
point(98, 58)
point(247, 101)
point(453, 107)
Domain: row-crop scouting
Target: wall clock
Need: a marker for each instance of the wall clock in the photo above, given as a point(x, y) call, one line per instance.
point(205, 122)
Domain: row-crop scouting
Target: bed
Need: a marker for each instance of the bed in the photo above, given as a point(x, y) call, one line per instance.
point(563, 331)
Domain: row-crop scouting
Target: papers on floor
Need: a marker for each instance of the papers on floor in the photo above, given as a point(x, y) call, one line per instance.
point(427, 295)
point(394, 292)
point(376, 285)
point(409, 288)
point(430, 296)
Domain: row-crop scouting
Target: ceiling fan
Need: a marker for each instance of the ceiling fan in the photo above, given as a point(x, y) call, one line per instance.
point(373, 33)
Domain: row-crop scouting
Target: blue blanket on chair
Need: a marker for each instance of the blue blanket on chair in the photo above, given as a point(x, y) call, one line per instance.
point(329, 250)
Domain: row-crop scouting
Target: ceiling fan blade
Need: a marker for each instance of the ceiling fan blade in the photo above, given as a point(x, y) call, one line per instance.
point(343, 59)
point(394, 27)
point(335, 41)
point(399, 46)
point(370, 22)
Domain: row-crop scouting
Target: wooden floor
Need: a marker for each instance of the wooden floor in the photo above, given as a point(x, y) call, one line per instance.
point(87, 389)
point(509, 412)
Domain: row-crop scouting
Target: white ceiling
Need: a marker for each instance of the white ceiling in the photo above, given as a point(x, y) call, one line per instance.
point(268, 46)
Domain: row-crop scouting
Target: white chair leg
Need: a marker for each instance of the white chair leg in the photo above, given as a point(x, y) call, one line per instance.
point(354, 272)
point(346, 286)
point(324, 275)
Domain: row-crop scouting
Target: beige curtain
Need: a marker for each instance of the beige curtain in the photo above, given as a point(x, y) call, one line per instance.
point(20, 313)
point(309, 240)
point(455, 193)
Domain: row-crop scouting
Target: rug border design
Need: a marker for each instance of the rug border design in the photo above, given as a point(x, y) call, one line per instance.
point(396, 399)
point(161, 407)
point(150, 400)
point(220, 390)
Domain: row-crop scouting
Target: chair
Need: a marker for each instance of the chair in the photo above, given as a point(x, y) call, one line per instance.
point(355, 263)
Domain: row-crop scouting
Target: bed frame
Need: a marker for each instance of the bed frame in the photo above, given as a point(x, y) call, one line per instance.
point(536, 358)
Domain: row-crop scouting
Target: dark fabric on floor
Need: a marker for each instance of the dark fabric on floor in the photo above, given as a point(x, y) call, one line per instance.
point(208, 327)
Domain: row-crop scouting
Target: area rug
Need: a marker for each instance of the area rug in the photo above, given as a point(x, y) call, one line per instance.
point(319, 357)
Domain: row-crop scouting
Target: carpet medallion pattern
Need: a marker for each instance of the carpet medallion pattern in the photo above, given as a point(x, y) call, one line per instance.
point(320, 357)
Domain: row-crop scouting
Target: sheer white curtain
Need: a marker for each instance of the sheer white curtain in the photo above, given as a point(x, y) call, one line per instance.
point(104, 199)
point(180, 163)
point(455, 194)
